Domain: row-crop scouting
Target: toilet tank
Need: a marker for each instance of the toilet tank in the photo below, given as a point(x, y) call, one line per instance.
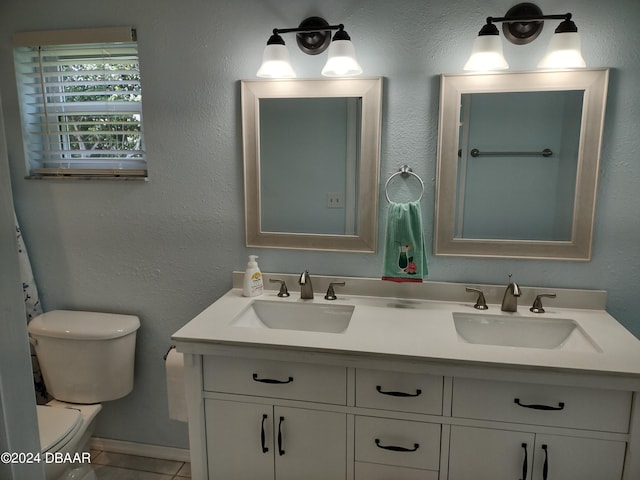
point(85, 357)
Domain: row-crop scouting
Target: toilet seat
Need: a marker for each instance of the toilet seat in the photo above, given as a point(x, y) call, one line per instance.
point(57, 426)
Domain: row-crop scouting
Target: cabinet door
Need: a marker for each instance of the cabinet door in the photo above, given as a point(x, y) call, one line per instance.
point(482, 453)
point(239, 440)
point(310, 444)
point(569, 458)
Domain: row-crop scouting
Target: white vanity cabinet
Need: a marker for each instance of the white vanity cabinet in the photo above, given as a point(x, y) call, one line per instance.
point(504, 455)
point(489, 453)
point(402, 446)
point(332, 418)
point(388, 447)
point(401, 395)
point(275, 379)
point(524, 448)
point(247, 441)
point(398, 391)
point(535, 404)
point(257, 436)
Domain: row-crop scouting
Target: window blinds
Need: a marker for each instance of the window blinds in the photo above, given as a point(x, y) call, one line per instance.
point(81, 104)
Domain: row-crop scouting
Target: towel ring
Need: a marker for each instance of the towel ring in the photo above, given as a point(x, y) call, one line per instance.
point(404, 170)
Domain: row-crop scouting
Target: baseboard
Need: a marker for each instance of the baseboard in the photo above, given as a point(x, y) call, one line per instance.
point(140, 449)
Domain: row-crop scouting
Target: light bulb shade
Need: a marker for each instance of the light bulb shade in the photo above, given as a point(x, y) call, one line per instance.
point(342, 60)
point(564, 52)
point(275, 63)
point(486, 54)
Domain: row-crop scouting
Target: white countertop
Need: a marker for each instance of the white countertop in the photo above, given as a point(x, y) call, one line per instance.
point(417, 330)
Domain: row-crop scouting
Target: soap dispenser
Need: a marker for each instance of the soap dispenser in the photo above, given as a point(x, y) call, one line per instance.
point(252, 285)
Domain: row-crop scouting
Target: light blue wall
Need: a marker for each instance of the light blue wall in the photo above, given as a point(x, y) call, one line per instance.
point(164, 249)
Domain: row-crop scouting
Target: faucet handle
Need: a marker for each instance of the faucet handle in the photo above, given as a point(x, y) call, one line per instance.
point(537, 303)
point(283, 287)
point(331, 294)
point(481, 303)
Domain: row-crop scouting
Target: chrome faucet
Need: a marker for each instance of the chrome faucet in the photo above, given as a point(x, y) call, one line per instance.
point(306, 289)
point(510, 299)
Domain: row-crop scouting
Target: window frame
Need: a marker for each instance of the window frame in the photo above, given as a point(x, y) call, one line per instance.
point(114, 102)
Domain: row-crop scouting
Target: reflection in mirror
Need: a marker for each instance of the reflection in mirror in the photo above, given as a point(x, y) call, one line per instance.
point(319, 167)
point(537, 172)
point(311, 163)
point(517, 163)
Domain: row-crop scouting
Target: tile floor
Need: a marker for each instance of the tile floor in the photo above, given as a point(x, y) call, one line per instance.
point(119, 466)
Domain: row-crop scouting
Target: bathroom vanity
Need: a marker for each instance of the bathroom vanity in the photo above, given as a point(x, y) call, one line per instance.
point(407, 382)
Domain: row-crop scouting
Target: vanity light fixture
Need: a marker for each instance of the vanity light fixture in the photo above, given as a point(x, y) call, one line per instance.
point(314, 37)
point(521, 25)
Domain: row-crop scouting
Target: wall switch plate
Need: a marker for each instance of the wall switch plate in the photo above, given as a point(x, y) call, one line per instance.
point(335, 200)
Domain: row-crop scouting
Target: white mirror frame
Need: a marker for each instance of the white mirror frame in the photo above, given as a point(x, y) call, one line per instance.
point(594, 83)
point(370, 90)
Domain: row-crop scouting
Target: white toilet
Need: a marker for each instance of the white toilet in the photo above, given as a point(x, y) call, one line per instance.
point(86, 358)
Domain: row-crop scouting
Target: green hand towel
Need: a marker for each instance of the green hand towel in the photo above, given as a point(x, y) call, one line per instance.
point(405, 256)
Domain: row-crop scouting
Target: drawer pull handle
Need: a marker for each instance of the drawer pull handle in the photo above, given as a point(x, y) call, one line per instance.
point(539, 407)
point(525, 463)
point(545, 467)
point(395, 448)
point(262, 435)
point(399, 394)
point(280, 449)
point(271, 380)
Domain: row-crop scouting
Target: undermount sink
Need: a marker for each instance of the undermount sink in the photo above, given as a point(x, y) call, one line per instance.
point(528, 332)
point(309, 317)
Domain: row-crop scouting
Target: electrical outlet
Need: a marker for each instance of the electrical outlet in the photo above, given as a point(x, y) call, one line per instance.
point(335, 200)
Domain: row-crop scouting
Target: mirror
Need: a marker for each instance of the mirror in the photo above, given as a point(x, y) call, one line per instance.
point(312, 163)
point(518, 157)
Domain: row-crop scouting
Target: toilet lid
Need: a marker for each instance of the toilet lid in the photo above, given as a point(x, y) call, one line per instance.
point(56, 426)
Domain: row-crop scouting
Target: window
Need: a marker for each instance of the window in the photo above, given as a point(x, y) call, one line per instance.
point(81, 103)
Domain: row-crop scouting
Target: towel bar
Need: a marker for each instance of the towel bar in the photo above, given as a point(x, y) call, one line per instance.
point(547, 152)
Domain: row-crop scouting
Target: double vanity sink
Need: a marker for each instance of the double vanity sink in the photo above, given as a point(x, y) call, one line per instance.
point(574, 333)
point(410, 381)
point(475, 328)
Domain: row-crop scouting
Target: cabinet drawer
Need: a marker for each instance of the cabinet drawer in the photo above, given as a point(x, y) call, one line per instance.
point(397, 442)
point(266, 378)
point(403, 392)
point(571, 407)
point(373, 471)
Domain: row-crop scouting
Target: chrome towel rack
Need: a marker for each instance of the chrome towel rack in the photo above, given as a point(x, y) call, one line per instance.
point(544, 153)
point(405, 171)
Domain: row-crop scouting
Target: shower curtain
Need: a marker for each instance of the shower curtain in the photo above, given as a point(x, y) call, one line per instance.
point(32, 307)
